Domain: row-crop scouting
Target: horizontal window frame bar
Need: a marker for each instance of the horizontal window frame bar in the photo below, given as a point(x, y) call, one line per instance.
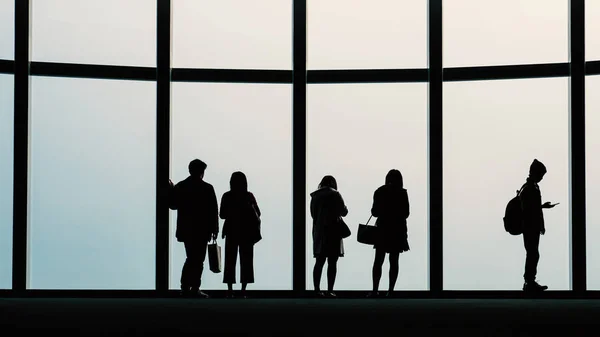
point(350, 294)
point(92, 71)
point(507, 72)
point(367, 76)
point(232, 75)
point(7, 67)
point(592, 68)
point(338, 76)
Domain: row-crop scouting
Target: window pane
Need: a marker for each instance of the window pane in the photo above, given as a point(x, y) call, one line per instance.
point(239, 127)
point(232, 34)
point(357, 133)
point(592, 181)
point(505, 32)
point(7, 29)
point(92, 184)
point(592, 27)
point(6, 179)
point(112, 32)
point(492, 132)
point(376, 34)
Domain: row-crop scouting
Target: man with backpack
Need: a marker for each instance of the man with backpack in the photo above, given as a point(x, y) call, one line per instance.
point(533, 223)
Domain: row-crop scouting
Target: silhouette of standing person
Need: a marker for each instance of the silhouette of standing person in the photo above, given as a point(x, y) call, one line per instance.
point(326, 209)
point(533, 223)
point(241, 231)
point(391, 207)
point(197, 223)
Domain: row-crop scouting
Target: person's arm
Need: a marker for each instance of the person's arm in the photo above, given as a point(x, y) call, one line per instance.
point(343, 208)
point(529, 205)
point(173, 196)
point(406, 206)
point(255, 204)
point(214, 208)
point(376, 209)
point(224, 210)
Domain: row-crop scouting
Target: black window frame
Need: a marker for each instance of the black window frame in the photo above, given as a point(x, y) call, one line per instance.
point(299, 77)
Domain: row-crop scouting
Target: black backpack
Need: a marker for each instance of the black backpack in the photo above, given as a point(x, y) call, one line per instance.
point(513, 220)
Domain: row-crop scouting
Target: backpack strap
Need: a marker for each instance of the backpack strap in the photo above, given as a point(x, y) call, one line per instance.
point(521, 190)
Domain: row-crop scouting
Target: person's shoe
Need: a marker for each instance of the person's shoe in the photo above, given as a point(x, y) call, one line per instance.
point(320, 294)
point(229, 294)
point(331, 294)
point(373, 294)
point(389, 294)
point(199, 294)
point(533, 287)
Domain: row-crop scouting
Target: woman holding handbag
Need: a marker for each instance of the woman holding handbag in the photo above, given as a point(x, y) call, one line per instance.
point(327, 208)
point(391, 207)
point(241, 231)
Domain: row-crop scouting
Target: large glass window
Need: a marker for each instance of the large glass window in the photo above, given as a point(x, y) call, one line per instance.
point(6, 179)
point(357, 133)
point(492, 132)
point(232, 34)
point(355, 34)
point(505, 32)
point(592, 27)
point(592, 161)
point(7, 29)
point(92, 184)
point(239, 127)
point(112, 32)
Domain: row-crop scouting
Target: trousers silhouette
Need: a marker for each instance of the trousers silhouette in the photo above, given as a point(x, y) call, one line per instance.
point(246, 250)
point(531, 239)
point(194, 264)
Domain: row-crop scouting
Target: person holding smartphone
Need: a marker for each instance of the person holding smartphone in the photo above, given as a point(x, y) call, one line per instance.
point(533, 223)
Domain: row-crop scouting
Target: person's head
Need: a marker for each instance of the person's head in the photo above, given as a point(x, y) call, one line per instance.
point(537, 170)
point(328, 181)
point(197, 168)
point(394, 178)
point(238, 182)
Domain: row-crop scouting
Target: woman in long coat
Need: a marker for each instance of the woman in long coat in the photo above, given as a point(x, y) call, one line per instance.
point(327, 209)
point(391, 207)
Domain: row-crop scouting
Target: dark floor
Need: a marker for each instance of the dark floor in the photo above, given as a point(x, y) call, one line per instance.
point(298, 317)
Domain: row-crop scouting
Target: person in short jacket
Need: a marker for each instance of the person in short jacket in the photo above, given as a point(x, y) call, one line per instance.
point(327, 207)
point(241, 231)
point(533, 223)
point(391, 207)
point(197, 223)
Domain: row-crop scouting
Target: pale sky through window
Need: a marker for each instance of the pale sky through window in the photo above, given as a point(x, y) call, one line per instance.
point(92, 146)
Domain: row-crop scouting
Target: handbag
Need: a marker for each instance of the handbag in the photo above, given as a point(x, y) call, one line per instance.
point(344, 230)
point(367, 234)
point(214, 256)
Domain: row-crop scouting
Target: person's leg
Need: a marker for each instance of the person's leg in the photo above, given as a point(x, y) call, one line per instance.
point(231, 251)
point(394, 269)
point(187, 270)
point(531, 241)
point(331, 273)
point(317, 271)
point(199, 266)
point(379, 258)
point(246, 265)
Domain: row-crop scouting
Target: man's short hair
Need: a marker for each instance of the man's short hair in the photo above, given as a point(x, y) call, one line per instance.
point(196, 167)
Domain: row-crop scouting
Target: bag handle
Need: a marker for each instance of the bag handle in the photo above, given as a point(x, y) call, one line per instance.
point(368, 220)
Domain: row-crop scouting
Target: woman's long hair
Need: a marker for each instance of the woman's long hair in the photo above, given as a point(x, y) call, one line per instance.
point(328, 181)
point(238, 182)
point(394, 178)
